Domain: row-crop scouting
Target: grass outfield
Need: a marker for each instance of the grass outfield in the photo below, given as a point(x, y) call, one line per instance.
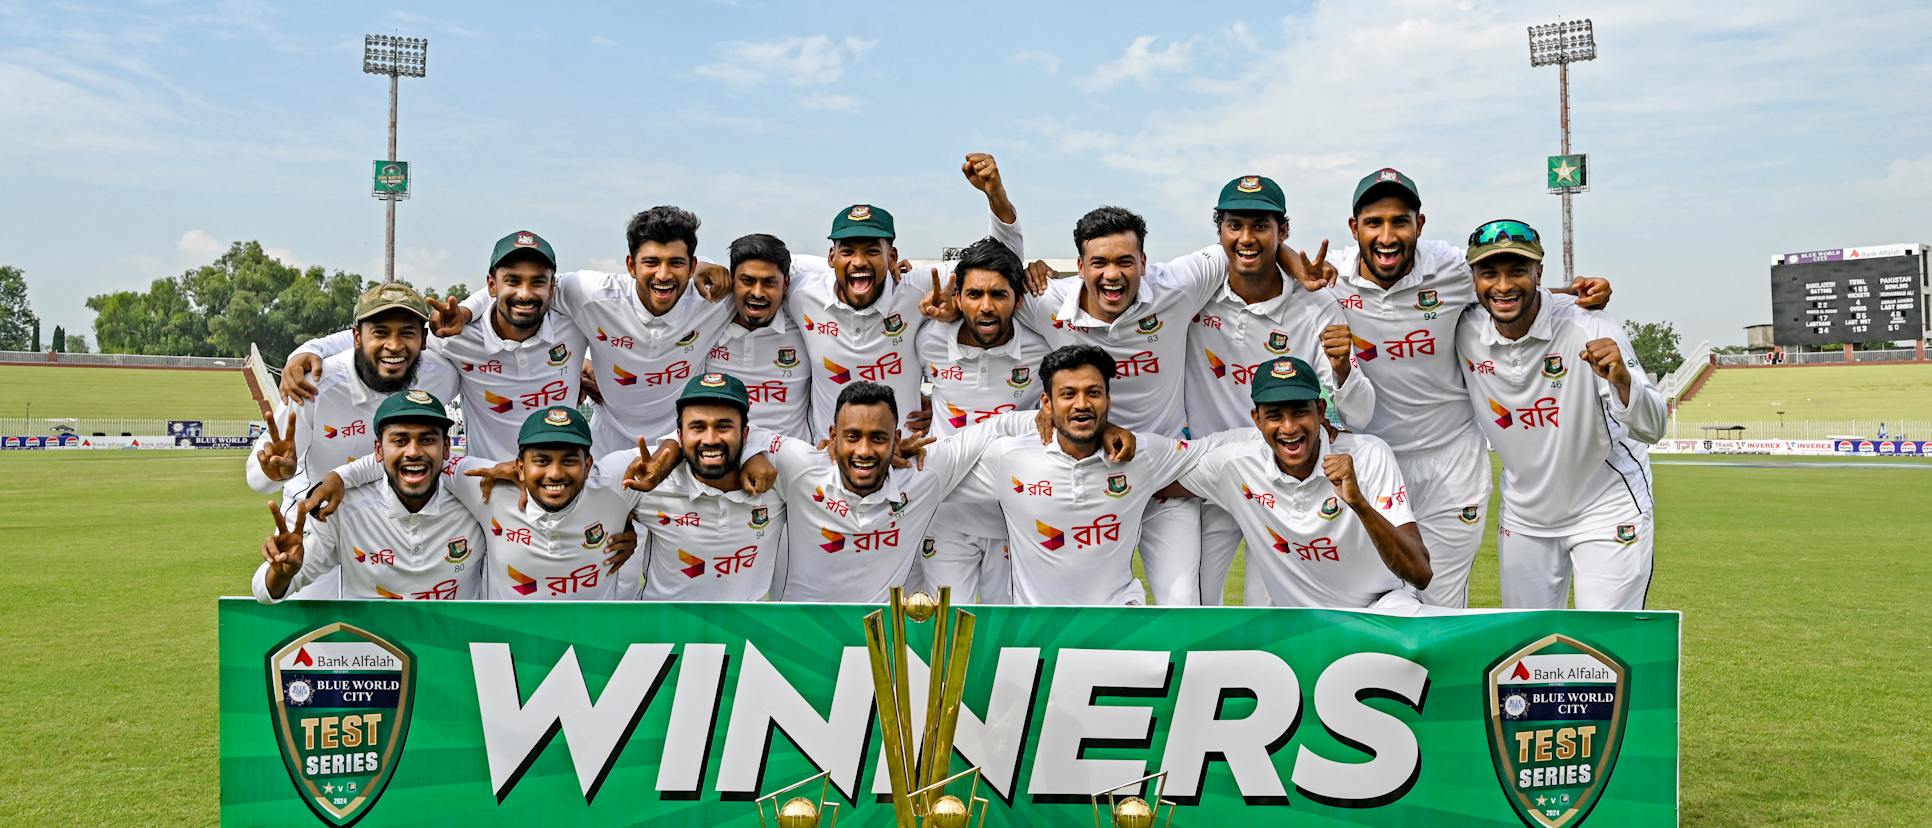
point(131, 393)
point(1802, 586)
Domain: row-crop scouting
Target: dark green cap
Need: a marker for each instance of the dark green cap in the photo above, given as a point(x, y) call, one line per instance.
point(1253, 192)
point(862, 221)
point(1383, 183)
point(390, 296)
point(556, 424)
point(715, 387)
point(1284, 379)
point(414, 404)
point(522, 240)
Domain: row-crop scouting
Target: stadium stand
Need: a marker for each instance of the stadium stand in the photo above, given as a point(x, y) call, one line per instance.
point(1817, 401)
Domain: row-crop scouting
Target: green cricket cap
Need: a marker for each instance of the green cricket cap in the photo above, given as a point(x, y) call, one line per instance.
point(862, 221)
point(522, 240)
point(715, 387)
point(556, 424)
point(1253, 192)
point(1495, 238)
point(414, 404)
point(1383, 183)
point(1284, 379)
point(390, 296)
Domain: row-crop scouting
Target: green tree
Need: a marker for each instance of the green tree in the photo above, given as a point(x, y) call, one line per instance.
point(76, 344)
point(17, 321)
point(1656, 345)
point(37, 335)
point(60, 339)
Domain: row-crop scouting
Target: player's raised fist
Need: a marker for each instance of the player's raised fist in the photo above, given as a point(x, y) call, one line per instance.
point(1606, 359)
point(940, 305)
point(1038, 275)
point(447, 317)
point(1338, 345)
point(277, 456)
point(299, 377)
point(1313, 274)
point(982, 172)
point(1340, 470)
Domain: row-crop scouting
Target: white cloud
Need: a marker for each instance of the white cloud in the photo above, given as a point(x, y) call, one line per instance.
point(1238, 34)
point(1047, 61)
point(422, 267)
point(799, 61)
point(830, 103)
point(1141, 63)
point(285, 256)
point(600, 40)
point(200, 247)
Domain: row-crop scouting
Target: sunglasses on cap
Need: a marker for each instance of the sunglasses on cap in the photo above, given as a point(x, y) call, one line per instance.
point(1510, 229)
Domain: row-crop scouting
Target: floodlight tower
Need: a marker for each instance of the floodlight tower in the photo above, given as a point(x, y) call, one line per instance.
point(1563, 44)
point(397, 57)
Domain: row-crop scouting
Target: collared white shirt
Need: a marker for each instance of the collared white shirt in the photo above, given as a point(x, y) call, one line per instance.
point(504, 380)
point(1307, 546)
point(705, 544)
point(337, 426)
point(1575, 458)
point(770, 361)
point(845, 547)
point(386, 551)
point(971, 384)
point(1403, 343)
point(1230, 338)
point(1148, 342)
point(1072, 524)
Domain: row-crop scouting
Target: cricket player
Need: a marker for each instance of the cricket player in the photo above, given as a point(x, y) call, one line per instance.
point(706, 538)
point(1323, 512)
point(1073, 514)
point(762, 346)
point(981, 366)
point(858, 324)
point(1139, 315)
point(551, 543)
point(1258, 314)
point(409, 538)
point(524, 359)
point(854, 521)
point(1574, 443)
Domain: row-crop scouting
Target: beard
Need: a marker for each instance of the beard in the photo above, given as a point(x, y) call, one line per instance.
point(366, 371)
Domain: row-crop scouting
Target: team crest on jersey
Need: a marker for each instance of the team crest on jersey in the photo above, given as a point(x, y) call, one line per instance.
point(1427, 300)
point(787, 358)
point(1626, 533)
point(342, 680)
point(559, 355)
point(1249, 184)
point(1282, 369)
point(899, 506)
point(894, 325)
point(1022, 376)
point(1553, 367)
point(1555, 711)
point(1277, 342)
point(1117, 485)
point(1331, 508)
point(713, 380)
point(594, 536)
point(459, 551)
point(760, 517)
point(1149, 323)
point(926, 547)
point(1469, 514)
point(419, 396)
point(688, 339)
point(558, 417)
point(860, 212)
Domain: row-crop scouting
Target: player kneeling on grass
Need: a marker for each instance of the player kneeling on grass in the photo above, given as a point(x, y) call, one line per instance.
point(1325, 512)
point(554, 540)
point(407, 538)
point(1575, 444)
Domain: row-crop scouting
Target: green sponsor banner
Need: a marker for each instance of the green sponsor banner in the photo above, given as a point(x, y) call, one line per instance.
point(1568, 172)
point(391, 177)
point(682, 714)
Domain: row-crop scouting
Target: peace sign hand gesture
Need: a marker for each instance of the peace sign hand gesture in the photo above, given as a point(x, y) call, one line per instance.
point(1313, 274)
point(447, 317)
point(283, 551)
point(940, 305)
point(277, 457)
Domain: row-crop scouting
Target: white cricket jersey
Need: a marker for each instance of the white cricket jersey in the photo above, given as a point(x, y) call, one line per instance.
point(1574, 457)
point(1230, 338)
point(336, 426)
point(534, 554)
point(850, 548)
point(1148, 342)
point(641, 360)
point(386, 551)
point(877, 344)
point(1072, 525)
point(1404, 344)
point(770, 361)
point(1307, 546)
point(705, 544)
point(971, 384)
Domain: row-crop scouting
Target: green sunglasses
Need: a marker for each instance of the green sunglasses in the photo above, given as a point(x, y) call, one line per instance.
point(1503, 229)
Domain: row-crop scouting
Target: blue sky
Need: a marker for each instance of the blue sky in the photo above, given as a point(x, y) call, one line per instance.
point(141, 138)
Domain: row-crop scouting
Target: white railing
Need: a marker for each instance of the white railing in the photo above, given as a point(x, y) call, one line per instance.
point(1792, 428)
point(1697, 362)
point(111, 426)
point(128, 360)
